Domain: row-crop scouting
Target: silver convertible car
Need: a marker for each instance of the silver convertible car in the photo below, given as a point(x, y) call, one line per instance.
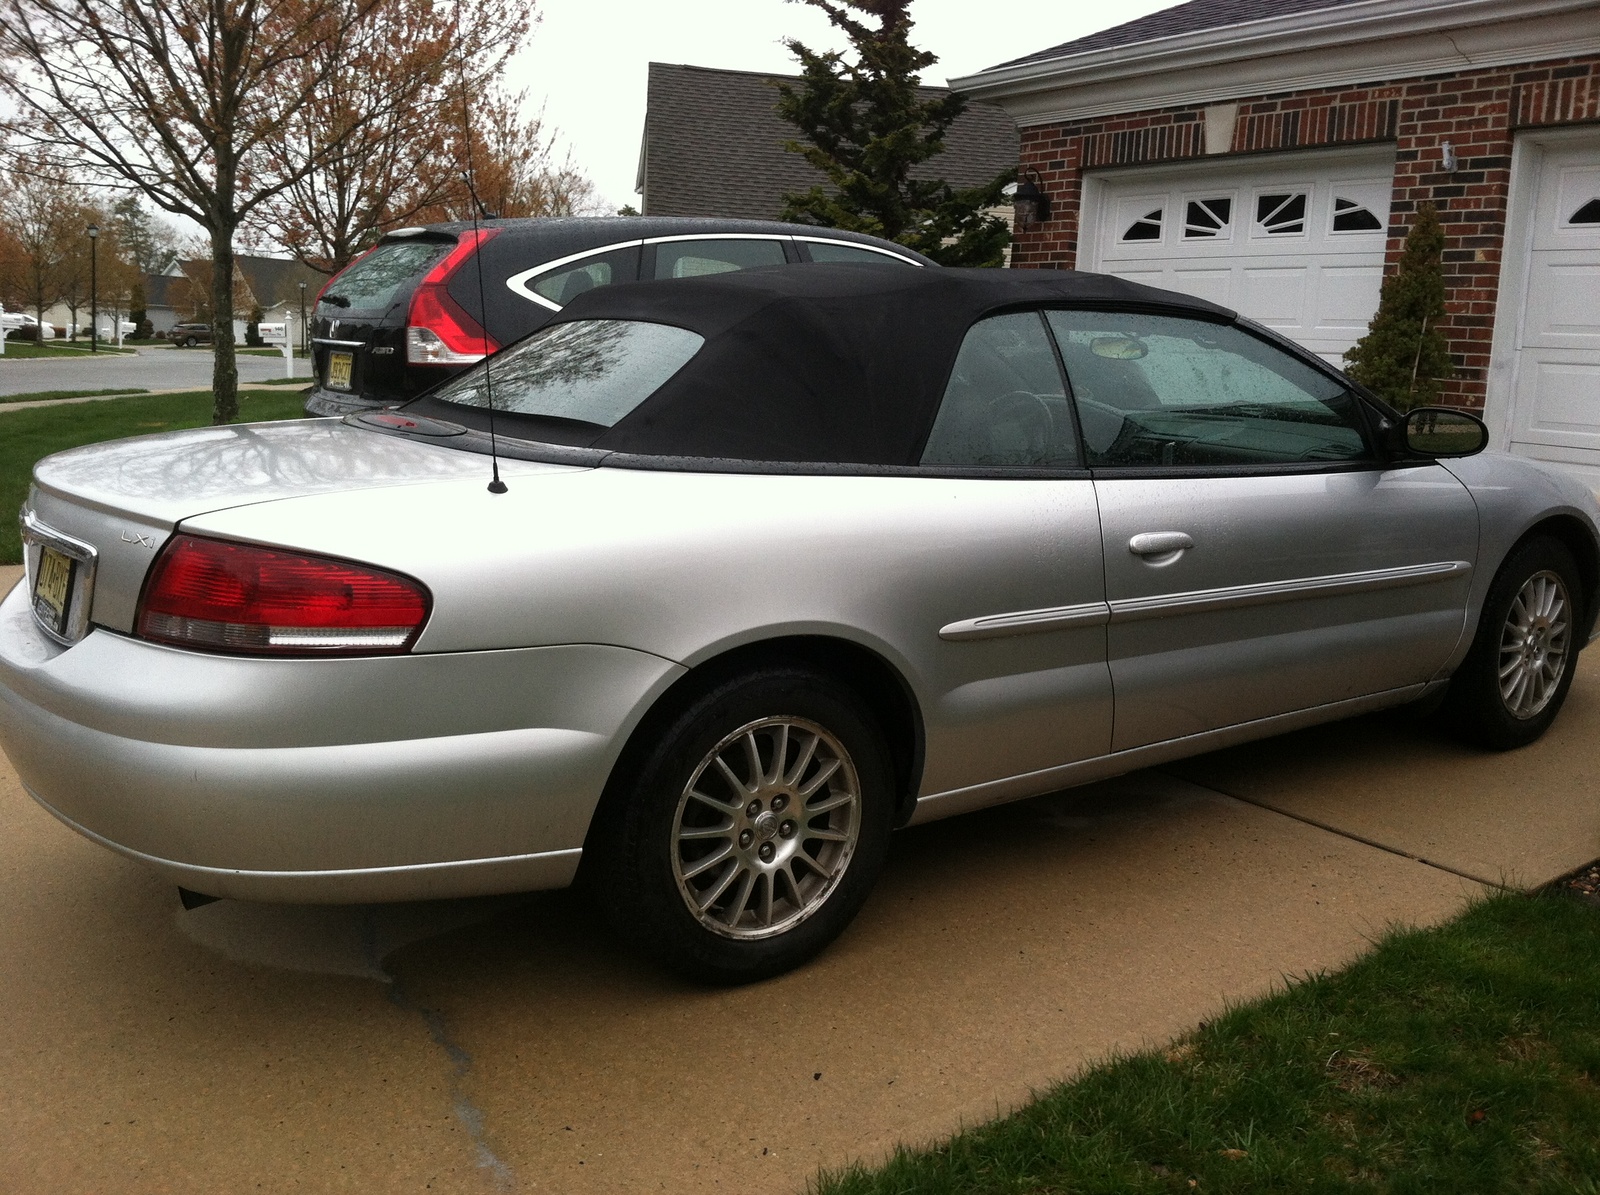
point(771, 564)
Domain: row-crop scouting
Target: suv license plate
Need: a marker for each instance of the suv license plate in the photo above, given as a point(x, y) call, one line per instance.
point(52, 593)
point(339, 367)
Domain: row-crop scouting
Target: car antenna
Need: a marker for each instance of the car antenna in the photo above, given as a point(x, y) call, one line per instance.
point(496, 486)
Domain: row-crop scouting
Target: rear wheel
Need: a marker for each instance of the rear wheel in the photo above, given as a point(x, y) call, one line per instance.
point(1514, 680)
point(189, 342)
point(753, 830)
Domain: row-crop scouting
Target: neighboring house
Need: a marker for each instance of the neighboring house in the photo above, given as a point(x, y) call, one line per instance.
point(160, 303)
point(713, 145)
point(1271, 154)
point(272, 283)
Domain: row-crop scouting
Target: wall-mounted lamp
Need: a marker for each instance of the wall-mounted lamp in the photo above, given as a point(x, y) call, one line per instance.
point(1447, 158)
point(1029, 198)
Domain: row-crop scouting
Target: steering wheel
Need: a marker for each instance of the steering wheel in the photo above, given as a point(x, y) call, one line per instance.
point(1036, 427)
point(1102, 423)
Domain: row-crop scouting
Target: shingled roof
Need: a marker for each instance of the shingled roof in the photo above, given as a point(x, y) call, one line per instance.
point(1193, 17)
point(713, 145)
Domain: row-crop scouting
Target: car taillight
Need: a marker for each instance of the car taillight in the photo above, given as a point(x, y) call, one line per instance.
point(438, 329)
point(221, 596)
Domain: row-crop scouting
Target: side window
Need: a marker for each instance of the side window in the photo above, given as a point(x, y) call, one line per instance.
point(835, 251)
point(690, 259)
point(565, 284)
point(1004, 404)
point(1158, 390)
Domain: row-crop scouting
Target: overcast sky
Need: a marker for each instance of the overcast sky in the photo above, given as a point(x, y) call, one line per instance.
point(588, 58)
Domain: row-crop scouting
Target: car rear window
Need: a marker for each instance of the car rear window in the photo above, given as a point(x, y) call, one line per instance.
point(588, 371)
point(370, 282)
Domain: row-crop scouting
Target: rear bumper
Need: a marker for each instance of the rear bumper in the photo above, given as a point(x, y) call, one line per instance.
point(322, 401)
point(389, 778)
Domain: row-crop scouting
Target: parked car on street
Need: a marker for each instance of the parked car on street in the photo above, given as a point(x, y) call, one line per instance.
point(773, 562)
point(409, 314)
point(189, 335)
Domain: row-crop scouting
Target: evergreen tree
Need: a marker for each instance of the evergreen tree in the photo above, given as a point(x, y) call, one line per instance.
point(866, 128)
point(1403, 356)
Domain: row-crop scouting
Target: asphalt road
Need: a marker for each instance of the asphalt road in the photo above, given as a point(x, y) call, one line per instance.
point(506, 1044)
point(151, 369)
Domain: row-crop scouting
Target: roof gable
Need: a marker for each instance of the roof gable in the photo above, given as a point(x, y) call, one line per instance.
point(714, 145)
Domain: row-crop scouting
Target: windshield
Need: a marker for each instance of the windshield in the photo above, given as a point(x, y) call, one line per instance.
point(589, 371)
point(370, 282)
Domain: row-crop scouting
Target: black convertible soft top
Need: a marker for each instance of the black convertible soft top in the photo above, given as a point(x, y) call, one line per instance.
point(824, 363)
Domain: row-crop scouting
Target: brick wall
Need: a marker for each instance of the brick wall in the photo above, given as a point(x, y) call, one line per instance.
point(1477, 111)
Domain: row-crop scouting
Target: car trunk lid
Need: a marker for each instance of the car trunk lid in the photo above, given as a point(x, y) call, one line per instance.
point(118, 502)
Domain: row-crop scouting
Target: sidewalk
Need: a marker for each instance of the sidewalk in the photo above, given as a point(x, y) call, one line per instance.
point(483, 1045)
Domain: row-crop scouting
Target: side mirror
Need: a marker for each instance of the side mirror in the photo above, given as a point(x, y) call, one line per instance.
point(1444, 431)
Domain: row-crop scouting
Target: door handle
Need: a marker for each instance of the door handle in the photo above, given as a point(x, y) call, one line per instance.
point(1160, 543)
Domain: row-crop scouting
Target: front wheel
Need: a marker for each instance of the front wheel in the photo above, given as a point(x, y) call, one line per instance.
point(752, 831)
point(189, 342)
point(1513, 682)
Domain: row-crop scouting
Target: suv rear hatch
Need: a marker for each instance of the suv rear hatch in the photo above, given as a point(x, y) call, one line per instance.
point(359, 327)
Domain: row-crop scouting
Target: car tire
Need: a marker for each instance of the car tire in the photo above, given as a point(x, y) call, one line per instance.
point(727, 866)
point(1516, 675)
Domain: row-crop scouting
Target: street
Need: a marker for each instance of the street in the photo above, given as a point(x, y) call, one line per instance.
point(154, 368)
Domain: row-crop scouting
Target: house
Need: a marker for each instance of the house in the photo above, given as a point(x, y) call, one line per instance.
point(713, 145)
point(281, 287)
point(1271, 154)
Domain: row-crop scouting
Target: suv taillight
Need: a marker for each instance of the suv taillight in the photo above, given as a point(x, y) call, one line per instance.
point(438, 329)
point(220, 596)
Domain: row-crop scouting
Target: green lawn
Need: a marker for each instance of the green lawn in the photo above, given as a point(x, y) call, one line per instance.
point(42, 395)
point(25, 436)
point(1460, 1059)
point(23, 349)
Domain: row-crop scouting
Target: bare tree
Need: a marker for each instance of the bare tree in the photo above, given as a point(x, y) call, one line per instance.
point(183, 100)
point(383, 125)
point(37, 212)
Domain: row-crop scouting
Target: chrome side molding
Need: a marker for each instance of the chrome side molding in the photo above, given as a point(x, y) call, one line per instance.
point(1091, 614)
point(1028, 622)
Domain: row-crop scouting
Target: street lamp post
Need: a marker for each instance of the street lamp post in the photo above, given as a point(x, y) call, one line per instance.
point(94, 289)
point(304, 350)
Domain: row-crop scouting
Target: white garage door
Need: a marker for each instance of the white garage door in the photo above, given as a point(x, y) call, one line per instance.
point(1556, 388)
point(1297, 245)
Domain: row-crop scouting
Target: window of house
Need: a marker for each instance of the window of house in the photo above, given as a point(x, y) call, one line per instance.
point(1207, 218)
point(1281, 213)
point(1589, 213)
point(1146, 228)
point(1350, 216)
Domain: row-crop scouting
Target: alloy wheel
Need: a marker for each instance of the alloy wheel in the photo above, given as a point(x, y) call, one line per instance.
point(766, 827)
point(1534, 643)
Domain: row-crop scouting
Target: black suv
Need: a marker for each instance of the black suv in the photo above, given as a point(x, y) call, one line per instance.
point(407, 315)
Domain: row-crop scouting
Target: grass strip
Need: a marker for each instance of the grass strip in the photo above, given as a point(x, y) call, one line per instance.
point(24, 349)
point(1462, 1058)
point(41, 395)
point(25, 436)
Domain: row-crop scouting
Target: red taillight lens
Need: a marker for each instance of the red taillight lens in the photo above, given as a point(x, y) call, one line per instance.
point(438, 330)
point(221, 596)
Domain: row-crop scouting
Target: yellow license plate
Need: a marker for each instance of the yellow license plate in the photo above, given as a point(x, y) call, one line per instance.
point(52, 594)
point(339, 367)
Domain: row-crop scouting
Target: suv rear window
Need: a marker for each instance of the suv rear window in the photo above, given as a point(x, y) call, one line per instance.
point(370, 282)
point(587, 371)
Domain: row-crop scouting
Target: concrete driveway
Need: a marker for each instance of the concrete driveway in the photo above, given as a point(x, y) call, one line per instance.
point(506, 1045)
point(162, 368)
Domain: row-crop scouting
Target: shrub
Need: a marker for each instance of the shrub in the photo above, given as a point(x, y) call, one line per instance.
point(1403, 357)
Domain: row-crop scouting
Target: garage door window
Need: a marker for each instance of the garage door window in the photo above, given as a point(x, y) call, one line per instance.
point(1146, 228)
point(1159, 391)
point(1350, 216)
point(1206, 218)
point(1589, 213)
point(1281, 213)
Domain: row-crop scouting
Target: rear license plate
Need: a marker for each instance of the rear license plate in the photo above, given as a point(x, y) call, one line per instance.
point(339, 367)
point(52, 594)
